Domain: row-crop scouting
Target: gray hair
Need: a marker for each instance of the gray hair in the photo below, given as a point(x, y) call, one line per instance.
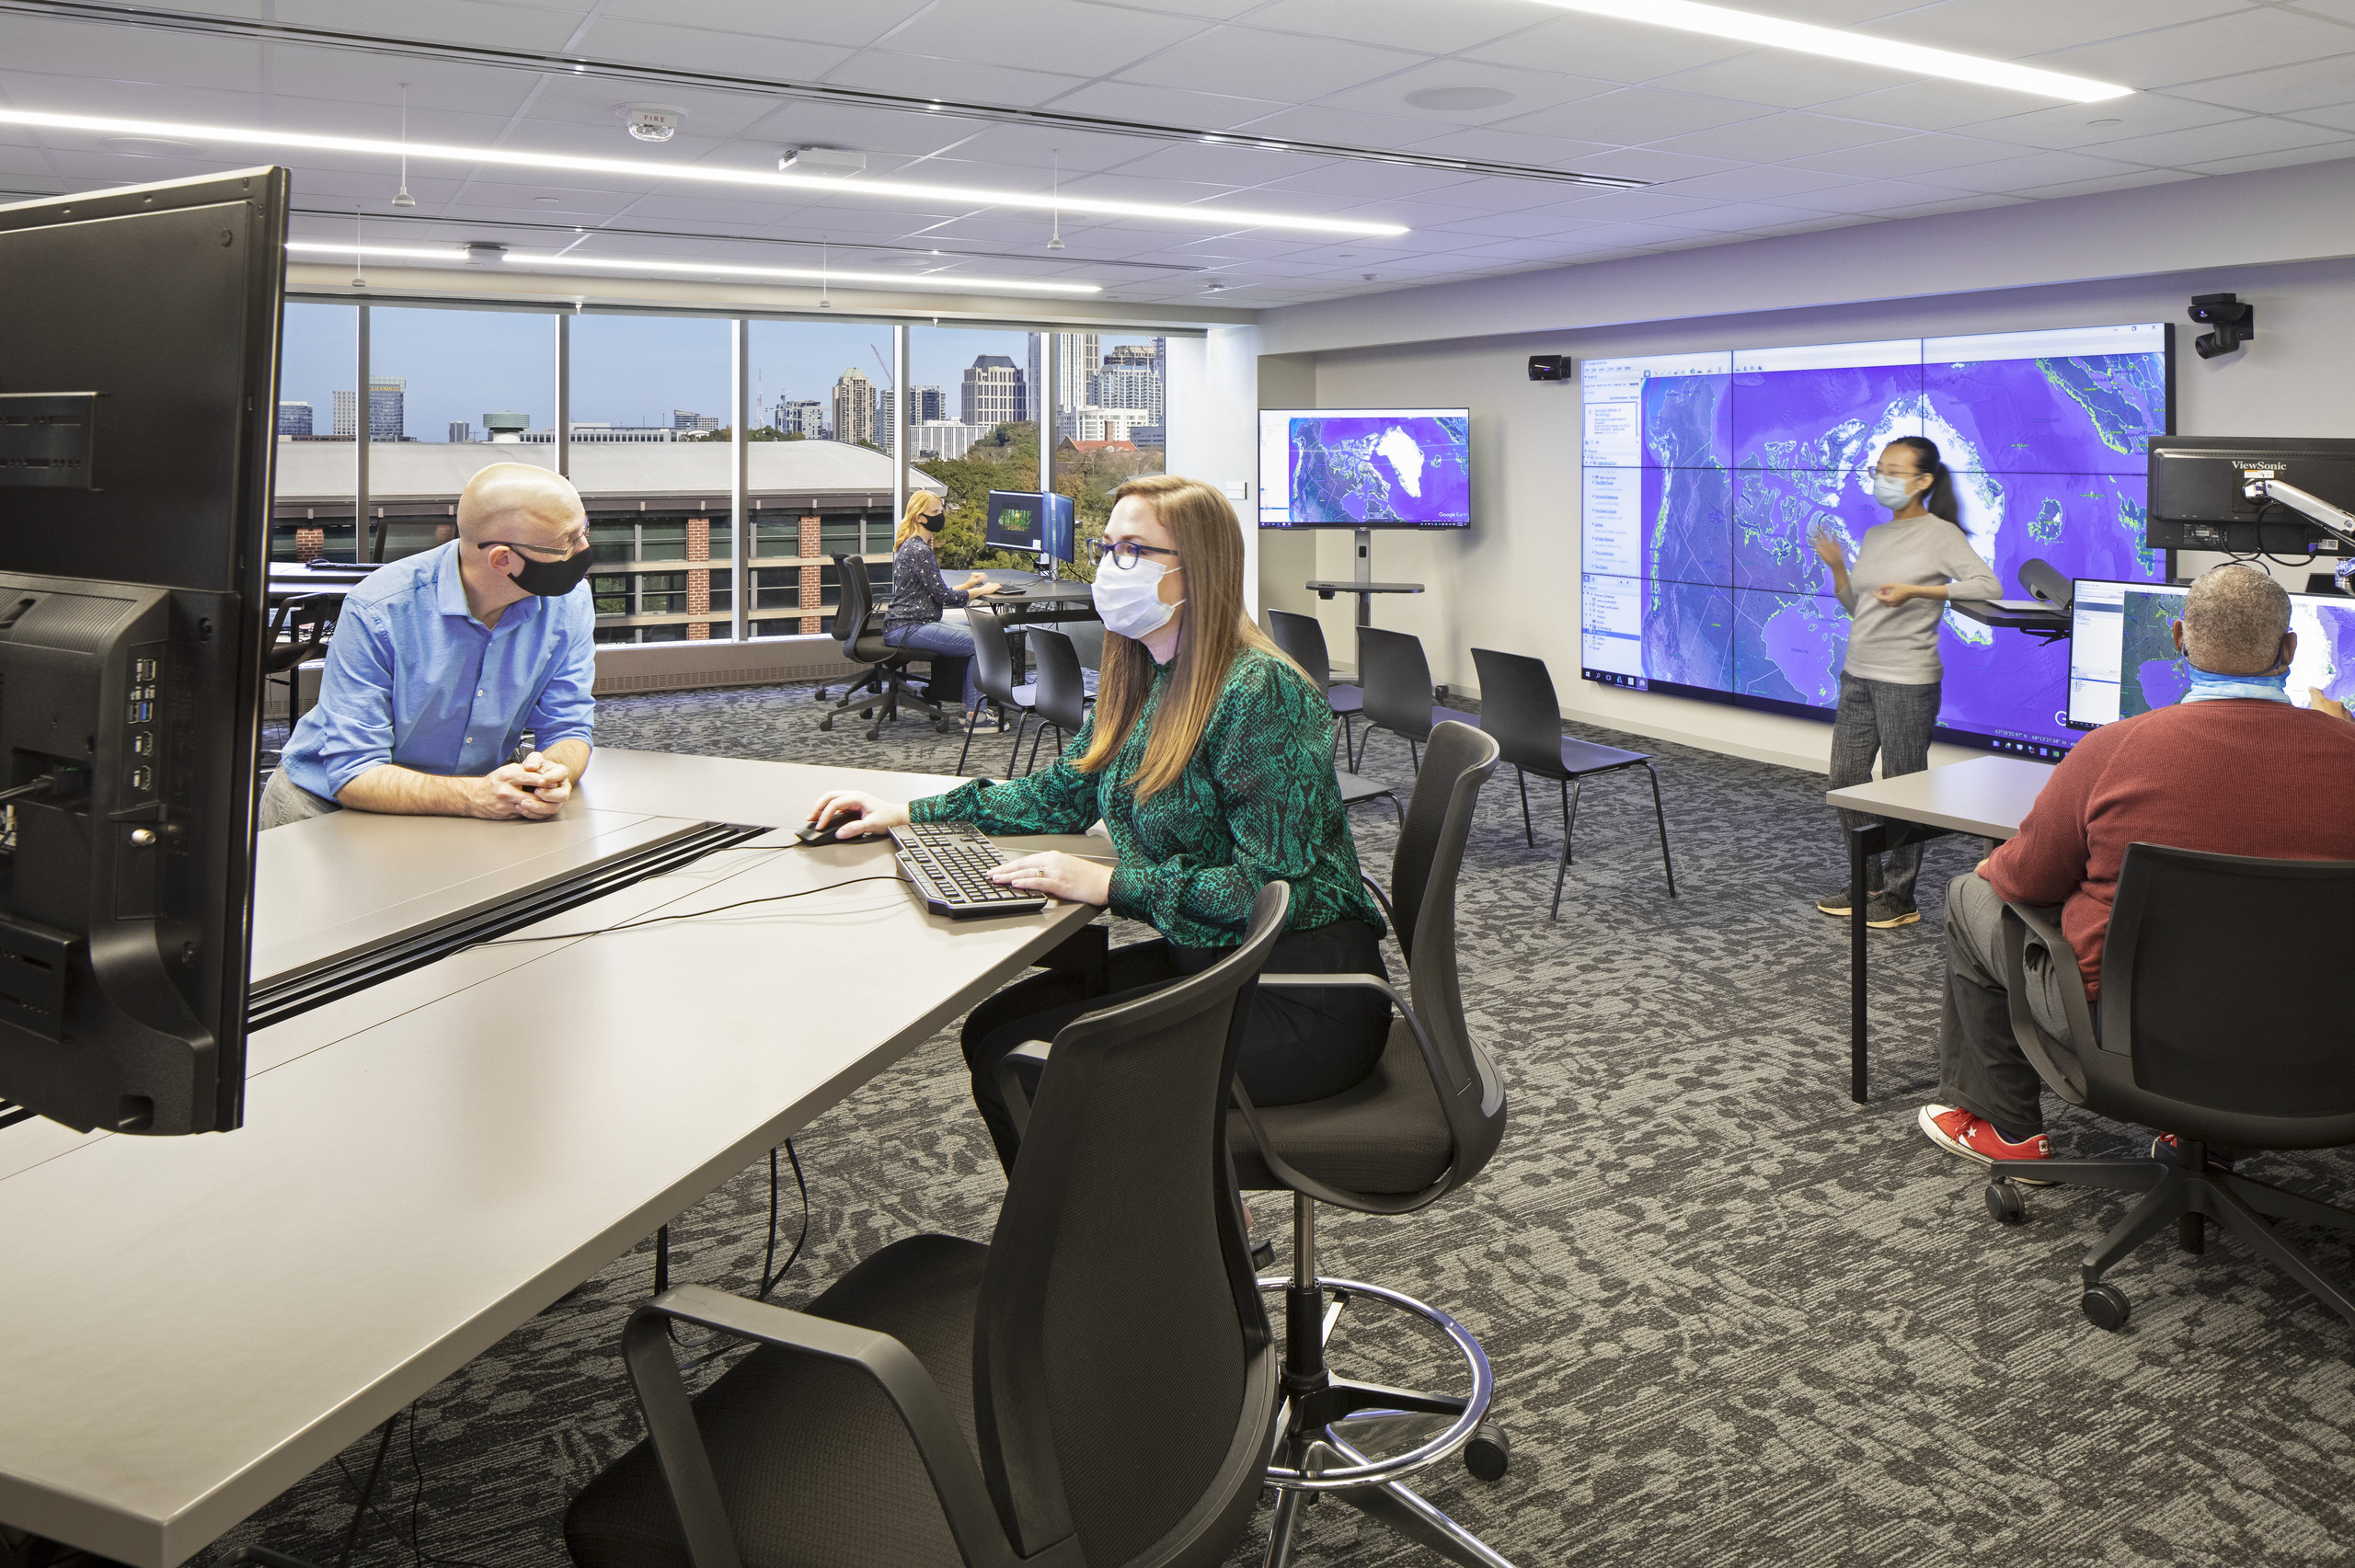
point(2233, 618)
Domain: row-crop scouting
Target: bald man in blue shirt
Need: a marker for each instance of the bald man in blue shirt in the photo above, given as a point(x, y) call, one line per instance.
point(443, 661)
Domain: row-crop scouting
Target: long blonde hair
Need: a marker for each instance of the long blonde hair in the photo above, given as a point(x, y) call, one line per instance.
point(1209, 541)
point(919, 508)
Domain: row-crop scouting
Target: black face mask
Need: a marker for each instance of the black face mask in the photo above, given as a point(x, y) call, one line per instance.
point(936, 522)
point(553, 579)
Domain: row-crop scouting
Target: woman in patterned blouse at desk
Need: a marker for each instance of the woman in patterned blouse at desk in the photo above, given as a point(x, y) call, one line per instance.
point(919, 593)
point(1209, 758)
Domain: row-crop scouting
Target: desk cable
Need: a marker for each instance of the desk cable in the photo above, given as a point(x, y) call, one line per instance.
point(657, 919)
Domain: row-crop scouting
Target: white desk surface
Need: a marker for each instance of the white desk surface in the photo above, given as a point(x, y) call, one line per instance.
point(1987, 796)
point(197, 1323)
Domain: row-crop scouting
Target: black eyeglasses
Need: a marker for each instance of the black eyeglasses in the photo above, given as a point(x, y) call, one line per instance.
point(561, 552)
point(1124, 553)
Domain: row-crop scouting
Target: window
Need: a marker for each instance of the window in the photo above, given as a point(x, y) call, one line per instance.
point(318, 477)
point(474, 380)
point(988, 438)
point(1110, 415)
point(818, 382)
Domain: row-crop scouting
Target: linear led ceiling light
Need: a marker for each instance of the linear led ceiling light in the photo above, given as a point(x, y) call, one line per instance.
point(1913, 59)
point(528, 262)
point(633, 168)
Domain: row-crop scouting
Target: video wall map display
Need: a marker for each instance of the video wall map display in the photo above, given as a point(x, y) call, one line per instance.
point(1707, 474)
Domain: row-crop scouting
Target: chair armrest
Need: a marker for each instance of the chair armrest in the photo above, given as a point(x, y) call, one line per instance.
point(1380, 897)
point(1010, 1084)
point(2056, 1061)
point(686, 1468)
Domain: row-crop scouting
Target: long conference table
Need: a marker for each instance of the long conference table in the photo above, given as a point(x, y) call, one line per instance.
point(189, 1325)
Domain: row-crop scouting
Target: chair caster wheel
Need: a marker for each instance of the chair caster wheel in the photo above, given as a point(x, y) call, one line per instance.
point(2004, 1201)
point(1488, 1453)
point(867, 712)
point(2105, 1306)
point(1263, 1255)
point(943, 726)
point(875, 733)
point(826, 722)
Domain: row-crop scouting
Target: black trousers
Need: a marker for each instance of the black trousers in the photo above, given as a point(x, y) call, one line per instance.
point(1297, 1045)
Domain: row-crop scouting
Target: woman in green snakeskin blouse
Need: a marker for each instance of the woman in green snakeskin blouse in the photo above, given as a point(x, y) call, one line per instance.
point(1209, 758)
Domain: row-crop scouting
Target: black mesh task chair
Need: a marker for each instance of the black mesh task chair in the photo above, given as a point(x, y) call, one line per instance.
point(887, 667)
point(1398, 691)
point(1423, 1124)
point(993, 678)
point(946, 1403)
point(299, 634)
point(2198, 1034)
point(1518, 707)
point(1303, 640)
point(1060, 696)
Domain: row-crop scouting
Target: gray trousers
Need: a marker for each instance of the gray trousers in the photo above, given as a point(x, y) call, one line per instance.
point(284, 801)
point(1980, 1066)
point(1892, 722)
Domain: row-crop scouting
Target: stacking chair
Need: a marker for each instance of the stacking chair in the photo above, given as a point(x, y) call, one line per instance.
point(993, 677)
point(946, 1402)
point(2197, 1034)
point(1423, 1124)
point(1398, 691)
point(887, 667)
point(298, 633)
point(1518, 707)
point(1303, 640)
point(1060, 696)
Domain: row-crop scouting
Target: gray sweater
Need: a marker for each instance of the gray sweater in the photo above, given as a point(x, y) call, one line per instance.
point(1900, 642)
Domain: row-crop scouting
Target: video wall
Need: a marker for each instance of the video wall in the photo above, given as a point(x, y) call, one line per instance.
point(1706, 473)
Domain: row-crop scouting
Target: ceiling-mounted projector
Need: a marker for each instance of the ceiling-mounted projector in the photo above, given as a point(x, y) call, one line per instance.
point(832, 162)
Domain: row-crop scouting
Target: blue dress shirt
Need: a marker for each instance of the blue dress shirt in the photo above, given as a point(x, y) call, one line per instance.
point(414, 680)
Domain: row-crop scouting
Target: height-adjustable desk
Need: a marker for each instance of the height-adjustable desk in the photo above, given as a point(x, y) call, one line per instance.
point(188, 1326)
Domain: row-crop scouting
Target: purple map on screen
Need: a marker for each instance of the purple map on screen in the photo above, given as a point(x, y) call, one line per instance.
point(1398, 469)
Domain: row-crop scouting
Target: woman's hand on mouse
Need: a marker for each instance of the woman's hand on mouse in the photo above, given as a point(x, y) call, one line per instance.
point(857, 816)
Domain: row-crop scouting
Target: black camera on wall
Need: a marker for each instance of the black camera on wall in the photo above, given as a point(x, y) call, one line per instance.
point(2232, 324)
point(1552, 367)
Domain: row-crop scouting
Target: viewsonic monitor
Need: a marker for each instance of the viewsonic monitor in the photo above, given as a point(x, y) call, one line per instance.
point(137, 386)
point(1365, 468)
point(1041, 522)
point(2200, 499)
point(2122, 658)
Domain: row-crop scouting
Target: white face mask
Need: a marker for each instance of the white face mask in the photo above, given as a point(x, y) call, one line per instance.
point(1894, 494)
point(1129, 599)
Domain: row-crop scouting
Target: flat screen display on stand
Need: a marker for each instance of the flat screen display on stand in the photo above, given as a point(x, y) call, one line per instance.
point(2122, 658)
point(1708, 474)
point(1040, 521)
point(1365, 468)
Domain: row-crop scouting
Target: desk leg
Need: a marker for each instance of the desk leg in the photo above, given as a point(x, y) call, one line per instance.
point(1863, 845)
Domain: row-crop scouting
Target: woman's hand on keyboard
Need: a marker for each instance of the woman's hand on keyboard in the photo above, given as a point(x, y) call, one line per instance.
point(1058, 876)
point(857, 816)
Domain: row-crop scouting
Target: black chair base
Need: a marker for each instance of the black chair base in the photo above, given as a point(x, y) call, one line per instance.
point(2183, 1196)
point(887, 690)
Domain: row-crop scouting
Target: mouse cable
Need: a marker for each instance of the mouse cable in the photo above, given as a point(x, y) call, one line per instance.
point(718, 1343)
point(656, 919)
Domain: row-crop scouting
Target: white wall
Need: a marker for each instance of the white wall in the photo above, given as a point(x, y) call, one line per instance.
point(1512, 580)
point(1214, 402)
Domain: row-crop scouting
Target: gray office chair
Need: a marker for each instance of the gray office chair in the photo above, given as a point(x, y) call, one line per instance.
point(1398, 692)
point(2198, 1035)
point(946, 1402)
point(887, 667)
point(1059, 698)
point(993, 678)
point(1519, 707)
point(1303, 640)
point(1425, 1123)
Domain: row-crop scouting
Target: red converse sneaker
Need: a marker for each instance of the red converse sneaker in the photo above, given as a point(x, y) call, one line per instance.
point(1957, 1132)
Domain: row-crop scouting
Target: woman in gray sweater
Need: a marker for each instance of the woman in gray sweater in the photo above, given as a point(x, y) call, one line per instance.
point(1906, 571)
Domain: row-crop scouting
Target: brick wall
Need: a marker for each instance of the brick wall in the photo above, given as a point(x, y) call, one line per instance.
point(812, 623)
point(698, 579)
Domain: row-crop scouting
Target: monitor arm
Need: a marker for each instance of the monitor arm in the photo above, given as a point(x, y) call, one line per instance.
point(2340, 525)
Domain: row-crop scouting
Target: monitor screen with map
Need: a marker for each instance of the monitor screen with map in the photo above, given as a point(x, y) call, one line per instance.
point(2122, 658)
point(1707, 474)
point(1365, 468)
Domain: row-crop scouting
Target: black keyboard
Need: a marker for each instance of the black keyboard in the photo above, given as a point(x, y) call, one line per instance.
point(949, 865)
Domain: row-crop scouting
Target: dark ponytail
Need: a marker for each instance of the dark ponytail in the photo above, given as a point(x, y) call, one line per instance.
point(1939, 501)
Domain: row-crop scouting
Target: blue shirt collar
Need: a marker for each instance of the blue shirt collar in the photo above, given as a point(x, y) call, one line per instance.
point(449, 593)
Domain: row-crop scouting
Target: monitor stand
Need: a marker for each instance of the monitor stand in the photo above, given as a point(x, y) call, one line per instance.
point(1364, 585)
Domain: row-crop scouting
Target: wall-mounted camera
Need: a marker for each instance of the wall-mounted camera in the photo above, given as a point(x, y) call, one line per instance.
point(2231, 324)
point(1551, 367)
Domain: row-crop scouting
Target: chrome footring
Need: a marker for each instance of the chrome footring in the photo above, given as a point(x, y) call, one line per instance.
point(1376, 1471)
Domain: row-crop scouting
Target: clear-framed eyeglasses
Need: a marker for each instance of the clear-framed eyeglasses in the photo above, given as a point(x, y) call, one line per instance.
point(1125, 553)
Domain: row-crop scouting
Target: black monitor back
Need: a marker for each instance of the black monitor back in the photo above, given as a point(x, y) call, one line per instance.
point(136, 436)
point(2197, 484)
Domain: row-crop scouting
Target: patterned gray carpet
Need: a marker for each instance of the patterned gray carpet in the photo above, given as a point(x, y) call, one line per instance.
point(1735, 1318)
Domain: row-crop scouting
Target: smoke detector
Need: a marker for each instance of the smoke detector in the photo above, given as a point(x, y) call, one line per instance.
point(652, 121)
point(834, 163)
point(484, 253)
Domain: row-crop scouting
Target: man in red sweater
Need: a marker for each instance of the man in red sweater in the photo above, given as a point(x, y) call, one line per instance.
point(2233, 769)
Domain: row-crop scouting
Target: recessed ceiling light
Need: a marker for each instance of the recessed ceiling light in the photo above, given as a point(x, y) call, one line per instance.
point(544, 201)
point(1914, 59)
point(529, 262)
point(627, 169)
point(2105, 122)
point(1458, 98)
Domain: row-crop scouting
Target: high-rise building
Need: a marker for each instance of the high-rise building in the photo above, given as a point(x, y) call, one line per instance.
point(995, 393)
point(854, 408)
point(681, 419)
point(387, 419)
point(886, 401)
point(461, 432)
point(1080, 358)
point(926, 405)
point(294, 418)
point(801, 418)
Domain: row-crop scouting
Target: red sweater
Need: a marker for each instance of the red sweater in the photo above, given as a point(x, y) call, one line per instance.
point(2238, 775)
